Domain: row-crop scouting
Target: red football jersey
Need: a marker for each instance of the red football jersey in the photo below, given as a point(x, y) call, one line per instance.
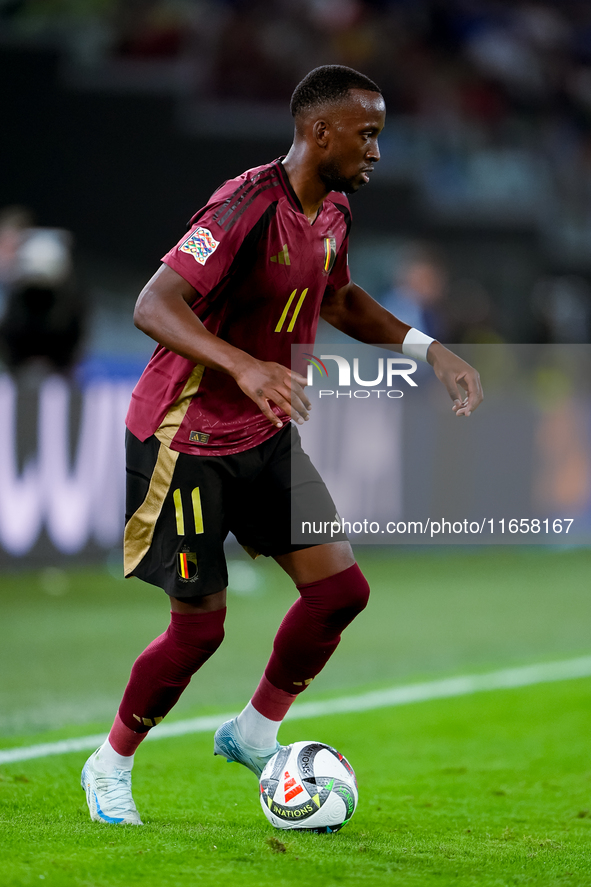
point(260, 270)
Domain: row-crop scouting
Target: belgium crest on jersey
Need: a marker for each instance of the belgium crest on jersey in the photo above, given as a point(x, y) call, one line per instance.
point(330, 253)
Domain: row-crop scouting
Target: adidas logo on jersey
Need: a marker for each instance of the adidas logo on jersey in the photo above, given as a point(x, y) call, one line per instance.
point(282, 257)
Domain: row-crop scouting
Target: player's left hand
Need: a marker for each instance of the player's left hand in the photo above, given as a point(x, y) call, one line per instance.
point(456, 374)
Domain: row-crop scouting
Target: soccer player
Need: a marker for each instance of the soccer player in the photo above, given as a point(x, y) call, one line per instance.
point(210, 444)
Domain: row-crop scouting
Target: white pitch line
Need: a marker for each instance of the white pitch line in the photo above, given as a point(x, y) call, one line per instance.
point(446, 688)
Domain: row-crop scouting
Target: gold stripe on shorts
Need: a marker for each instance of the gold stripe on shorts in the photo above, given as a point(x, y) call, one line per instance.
point(139, 530)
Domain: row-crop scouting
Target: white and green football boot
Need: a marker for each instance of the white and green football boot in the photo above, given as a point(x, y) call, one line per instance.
point(228, 743)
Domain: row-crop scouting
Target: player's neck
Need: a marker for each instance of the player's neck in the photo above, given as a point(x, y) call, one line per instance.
point(304, 180)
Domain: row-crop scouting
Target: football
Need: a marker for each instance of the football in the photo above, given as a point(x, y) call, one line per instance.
point(308, 785)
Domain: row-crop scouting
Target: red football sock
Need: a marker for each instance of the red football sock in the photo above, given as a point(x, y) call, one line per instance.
point(124, 740)
point(271, 702)
point(308, 636)
point(161, 673)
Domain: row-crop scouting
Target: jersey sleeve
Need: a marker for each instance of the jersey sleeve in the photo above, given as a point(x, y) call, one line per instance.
point(205, 255)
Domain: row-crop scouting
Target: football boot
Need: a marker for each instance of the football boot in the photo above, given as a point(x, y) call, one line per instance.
point(229, 743)
point(108, 795)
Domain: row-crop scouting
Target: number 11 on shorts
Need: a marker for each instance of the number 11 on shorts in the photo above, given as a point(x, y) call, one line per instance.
point(197, 512)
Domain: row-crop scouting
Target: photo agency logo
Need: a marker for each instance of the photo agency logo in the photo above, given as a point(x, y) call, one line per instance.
point(391, 372)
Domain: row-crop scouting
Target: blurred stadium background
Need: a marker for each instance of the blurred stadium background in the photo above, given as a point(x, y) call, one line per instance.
point(120, 117)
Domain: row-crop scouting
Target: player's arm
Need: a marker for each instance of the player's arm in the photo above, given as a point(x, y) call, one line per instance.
point(353, 311)
point(163, 312)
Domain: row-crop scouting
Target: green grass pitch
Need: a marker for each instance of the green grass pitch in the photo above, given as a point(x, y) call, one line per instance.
point(489, 789)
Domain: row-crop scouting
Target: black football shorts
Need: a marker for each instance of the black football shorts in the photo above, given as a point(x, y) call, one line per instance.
point(180, 509)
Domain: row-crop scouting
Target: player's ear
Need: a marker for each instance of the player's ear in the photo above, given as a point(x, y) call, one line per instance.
point(320, 131)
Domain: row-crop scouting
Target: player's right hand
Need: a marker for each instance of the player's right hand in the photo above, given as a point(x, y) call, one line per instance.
point(266, 382)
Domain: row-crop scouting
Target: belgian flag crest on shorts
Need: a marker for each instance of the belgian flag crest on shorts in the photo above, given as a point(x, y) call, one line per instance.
point(186, 564)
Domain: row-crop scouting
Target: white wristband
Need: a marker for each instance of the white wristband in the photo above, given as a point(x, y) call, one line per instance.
point(416, 344)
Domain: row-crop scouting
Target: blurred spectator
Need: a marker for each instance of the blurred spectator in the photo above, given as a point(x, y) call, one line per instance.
point(562, 306)
point(44, 312)
point(471, 314)
point(149, 28)
point(420, 283)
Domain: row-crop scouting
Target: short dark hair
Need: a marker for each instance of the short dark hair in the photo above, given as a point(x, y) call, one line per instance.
point(329, 83)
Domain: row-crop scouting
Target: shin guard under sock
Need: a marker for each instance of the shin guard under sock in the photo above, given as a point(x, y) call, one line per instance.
point(310, 633)
point(161, 673)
